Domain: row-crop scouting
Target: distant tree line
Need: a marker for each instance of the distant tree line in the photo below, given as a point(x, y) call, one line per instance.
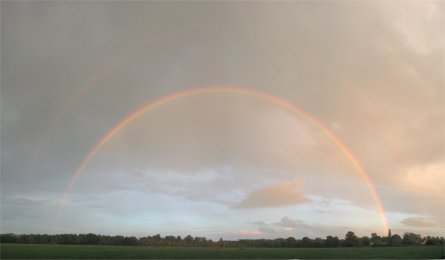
point(350, 240)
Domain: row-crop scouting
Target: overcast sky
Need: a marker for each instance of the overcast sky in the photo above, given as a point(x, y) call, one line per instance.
point(222, 165)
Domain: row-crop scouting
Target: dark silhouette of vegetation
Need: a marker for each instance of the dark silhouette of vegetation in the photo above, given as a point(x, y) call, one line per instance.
point(332, 241)
point(395, 240)
point(412, 239)
point(350, 240)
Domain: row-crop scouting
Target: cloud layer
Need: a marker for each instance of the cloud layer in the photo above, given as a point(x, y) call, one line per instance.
point(370, 71)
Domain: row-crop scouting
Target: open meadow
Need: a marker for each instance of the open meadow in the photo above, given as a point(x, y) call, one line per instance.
point(47, 251)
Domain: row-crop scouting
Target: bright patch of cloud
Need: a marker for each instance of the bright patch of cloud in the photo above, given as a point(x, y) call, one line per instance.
point(426, 179)
point(249, 232)
point(280, 194)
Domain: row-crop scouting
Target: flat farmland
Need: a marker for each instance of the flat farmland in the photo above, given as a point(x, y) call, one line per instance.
point(50, 251)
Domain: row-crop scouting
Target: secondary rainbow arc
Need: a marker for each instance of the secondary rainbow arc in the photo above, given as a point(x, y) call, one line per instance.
point(227, 89)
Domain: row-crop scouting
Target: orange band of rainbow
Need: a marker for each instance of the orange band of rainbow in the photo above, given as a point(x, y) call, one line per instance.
point(219, 89)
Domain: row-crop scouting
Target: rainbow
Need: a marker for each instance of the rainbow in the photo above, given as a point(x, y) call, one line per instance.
point(225, 89)
point(143, 44)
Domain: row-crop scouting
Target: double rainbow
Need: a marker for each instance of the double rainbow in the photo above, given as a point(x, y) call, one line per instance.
point(226, 89)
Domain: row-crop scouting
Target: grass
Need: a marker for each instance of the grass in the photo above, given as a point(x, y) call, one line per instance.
point(30, 251)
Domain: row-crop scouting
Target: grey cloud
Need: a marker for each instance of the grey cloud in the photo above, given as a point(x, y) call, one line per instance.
point(286, 227)
point(419, 222)
point(360, 68)
point(289, 223)
point(258, 223)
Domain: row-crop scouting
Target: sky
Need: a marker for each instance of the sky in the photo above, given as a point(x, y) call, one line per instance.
point(367, 78)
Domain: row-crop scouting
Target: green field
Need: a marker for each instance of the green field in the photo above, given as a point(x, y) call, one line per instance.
point(139, 252)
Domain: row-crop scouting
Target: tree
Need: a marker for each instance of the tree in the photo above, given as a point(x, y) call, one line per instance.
point(117, 240)
point(68, 239)
point(395, 240)
point(157, 239)
point(351, 239)
point(199, 241)
point(332, 241)
point(318, 242)
point(170, 240)
point(376, 240)
point(306, 242)
point(279, 242)
point(130, 241)
point(188, 240)
point(178, 240)
point(88, 239)
point(291, 242)
point(365, 241)
point(411, 239)
point(9, 238)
